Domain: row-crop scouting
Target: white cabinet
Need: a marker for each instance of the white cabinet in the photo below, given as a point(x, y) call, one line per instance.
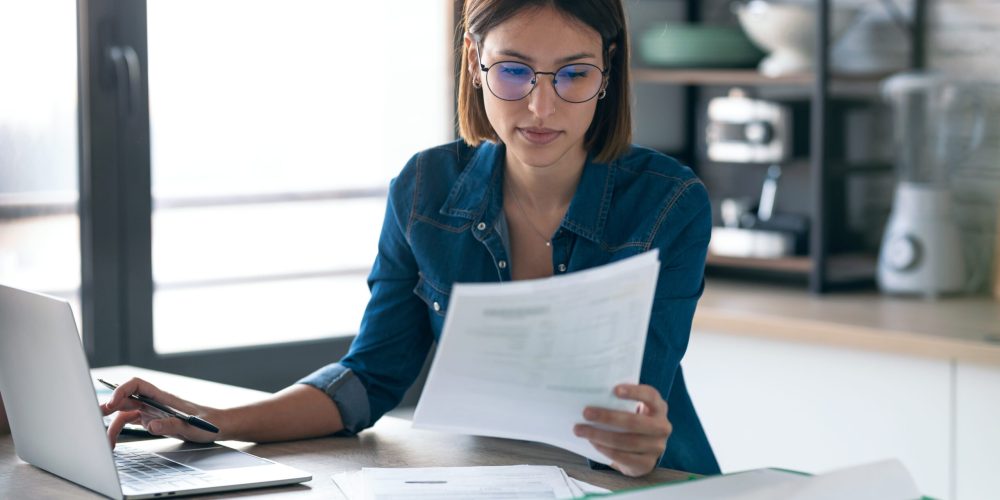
point(773, 403)
point(977, 402)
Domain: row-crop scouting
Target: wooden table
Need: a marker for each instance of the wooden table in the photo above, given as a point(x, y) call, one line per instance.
point(390, 443)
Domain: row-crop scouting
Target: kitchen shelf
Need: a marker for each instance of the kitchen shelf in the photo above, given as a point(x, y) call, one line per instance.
point(842, 268)
point(694, 76)
point(840, 85)
point(793, 265)
point(826, 94)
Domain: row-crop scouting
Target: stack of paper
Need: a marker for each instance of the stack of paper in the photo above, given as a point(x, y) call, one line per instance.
point(471, 483)
point(522, 360)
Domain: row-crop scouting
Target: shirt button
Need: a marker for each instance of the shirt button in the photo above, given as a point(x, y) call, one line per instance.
point(437, 307)
point(562, 268)
point(502, 264)
point(481, 226)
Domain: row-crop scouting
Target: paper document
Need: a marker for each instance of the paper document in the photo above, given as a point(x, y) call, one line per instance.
point(522, 359)
point(467, 483)
point(886, 480)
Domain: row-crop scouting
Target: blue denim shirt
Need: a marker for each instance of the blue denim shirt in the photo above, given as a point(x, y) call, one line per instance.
point(444, 224)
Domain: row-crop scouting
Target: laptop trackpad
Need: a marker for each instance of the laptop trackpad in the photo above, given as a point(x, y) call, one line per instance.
point(213, 458)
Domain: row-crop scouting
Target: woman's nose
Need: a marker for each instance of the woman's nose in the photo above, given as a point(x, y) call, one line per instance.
point(542, 100)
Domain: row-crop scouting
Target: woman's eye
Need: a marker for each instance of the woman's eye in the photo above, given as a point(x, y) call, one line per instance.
point(514, 71)
point(574, 72)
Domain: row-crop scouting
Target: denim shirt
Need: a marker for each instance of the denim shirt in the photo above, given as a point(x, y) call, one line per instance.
point(444, 224)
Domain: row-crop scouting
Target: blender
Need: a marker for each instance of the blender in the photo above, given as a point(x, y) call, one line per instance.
point(937, 123)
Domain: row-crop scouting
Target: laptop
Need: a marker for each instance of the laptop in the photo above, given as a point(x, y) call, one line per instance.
point(57, 426)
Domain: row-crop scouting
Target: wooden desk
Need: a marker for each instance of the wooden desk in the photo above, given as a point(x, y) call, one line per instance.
point(390, 443)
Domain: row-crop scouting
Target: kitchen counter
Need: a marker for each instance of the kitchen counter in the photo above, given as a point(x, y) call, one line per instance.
point(961, 328)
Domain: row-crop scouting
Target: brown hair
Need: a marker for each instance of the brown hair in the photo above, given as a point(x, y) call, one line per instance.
point(610, 133)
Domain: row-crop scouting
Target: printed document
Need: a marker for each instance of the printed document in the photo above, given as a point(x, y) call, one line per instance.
point(521, 360)
point(467, 483)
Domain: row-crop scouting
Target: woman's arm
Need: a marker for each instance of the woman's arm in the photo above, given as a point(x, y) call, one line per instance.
point(296, 412)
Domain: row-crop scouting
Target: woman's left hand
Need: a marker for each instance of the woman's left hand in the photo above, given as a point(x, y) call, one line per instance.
point(637, 447)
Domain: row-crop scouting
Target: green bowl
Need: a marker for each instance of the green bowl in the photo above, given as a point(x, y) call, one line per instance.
point(679, 45)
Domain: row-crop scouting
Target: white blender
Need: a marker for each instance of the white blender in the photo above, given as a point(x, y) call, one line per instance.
point(937, 124)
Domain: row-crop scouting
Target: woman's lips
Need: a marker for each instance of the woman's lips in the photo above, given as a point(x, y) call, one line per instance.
point(538, 136)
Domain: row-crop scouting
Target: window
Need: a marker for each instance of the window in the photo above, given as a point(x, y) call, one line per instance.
point(39, 224)
point(207, 179)
point(275, 129)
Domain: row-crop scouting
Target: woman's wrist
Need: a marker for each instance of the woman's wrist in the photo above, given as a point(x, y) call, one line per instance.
point(228, 421)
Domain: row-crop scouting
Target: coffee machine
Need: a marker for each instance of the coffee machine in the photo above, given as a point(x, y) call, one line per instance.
point(742, 130)
point(937, 123)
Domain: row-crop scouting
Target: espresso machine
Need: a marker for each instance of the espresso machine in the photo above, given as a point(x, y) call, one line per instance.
point(937, 123)
point(743, 130)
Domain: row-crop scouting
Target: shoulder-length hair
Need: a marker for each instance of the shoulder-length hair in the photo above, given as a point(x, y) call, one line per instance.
point(610, 133)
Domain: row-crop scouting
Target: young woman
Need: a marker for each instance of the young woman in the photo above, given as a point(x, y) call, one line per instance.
point(543, 182)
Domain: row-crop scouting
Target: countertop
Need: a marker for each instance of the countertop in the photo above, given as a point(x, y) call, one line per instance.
point(962, 328)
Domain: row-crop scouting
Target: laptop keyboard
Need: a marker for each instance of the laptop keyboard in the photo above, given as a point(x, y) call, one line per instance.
point(141, 470)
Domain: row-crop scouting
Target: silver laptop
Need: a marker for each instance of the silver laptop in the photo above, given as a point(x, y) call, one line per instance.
point(57, 426)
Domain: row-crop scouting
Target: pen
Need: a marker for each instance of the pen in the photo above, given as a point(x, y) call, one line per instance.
point(191, 419)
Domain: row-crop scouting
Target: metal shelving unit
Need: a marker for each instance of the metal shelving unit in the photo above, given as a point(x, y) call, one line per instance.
point(823, 270)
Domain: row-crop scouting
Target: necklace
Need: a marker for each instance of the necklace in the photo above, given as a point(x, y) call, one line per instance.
point(517, 201)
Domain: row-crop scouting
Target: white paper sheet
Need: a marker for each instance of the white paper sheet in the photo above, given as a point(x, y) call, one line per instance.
point(886, 480)
point(467, 483)
point(522, 360)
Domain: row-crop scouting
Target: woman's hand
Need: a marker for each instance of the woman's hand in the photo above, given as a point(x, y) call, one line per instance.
point(637, 447)
point(155, 421)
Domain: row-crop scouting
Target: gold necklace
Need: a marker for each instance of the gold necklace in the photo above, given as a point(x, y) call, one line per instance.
point(517, 200)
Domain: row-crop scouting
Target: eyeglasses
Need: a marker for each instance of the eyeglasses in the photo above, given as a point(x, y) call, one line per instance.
point(513, 81)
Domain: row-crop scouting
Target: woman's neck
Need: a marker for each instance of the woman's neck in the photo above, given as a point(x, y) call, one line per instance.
point(545, 189)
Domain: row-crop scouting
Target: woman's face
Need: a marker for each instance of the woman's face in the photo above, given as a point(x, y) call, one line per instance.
point(541, 130)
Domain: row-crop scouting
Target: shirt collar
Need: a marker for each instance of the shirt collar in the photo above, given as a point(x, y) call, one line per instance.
point(476, 194)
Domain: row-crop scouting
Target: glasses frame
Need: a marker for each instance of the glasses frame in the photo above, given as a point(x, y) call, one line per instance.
point(534, 77)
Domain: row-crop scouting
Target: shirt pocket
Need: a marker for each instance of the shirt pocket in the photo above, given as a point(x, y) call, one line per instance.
point(433, 294)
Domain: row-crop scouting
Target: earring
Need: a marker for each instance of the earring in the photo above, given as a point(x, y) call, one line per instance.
point(603, 93)
point(476, 83)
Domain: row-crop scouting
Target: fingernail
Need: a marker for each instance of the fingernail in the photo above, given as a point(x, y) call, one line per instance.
point(154, 427)
point(577, 431)
point(620, 391)
point(589, 413)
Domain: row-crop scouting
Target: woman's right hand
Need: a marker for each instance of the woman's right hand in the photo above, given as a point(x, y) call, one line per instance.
point(155, 421)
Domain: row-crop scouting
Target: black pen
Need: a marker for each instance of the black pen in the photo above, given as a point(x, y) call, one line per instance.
point(191, 419)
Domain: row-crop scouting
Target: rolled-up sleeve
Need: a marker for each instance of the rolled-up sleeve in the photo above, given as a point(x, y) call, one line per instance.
point(346, 391)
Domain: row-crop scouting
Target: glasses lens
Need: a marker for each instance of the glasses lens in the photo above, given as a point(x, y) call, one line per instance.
point(578, 82)
point(510, 80)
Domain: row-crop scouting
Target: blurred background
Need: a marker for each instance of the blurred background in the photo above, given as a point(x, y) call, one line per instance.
point(205, 182)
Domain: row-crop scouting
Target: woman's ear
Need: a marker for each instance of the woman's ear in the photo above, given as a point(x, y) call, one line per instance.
point(607, 63)
point(470, 50)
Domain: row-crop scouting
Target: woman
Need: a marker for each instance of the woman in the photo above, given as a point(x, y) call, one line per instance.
point(543, 182)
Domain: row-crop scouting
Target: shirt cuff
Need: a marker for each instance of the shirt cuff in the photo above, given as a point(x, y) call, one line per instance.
point(347, 392)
